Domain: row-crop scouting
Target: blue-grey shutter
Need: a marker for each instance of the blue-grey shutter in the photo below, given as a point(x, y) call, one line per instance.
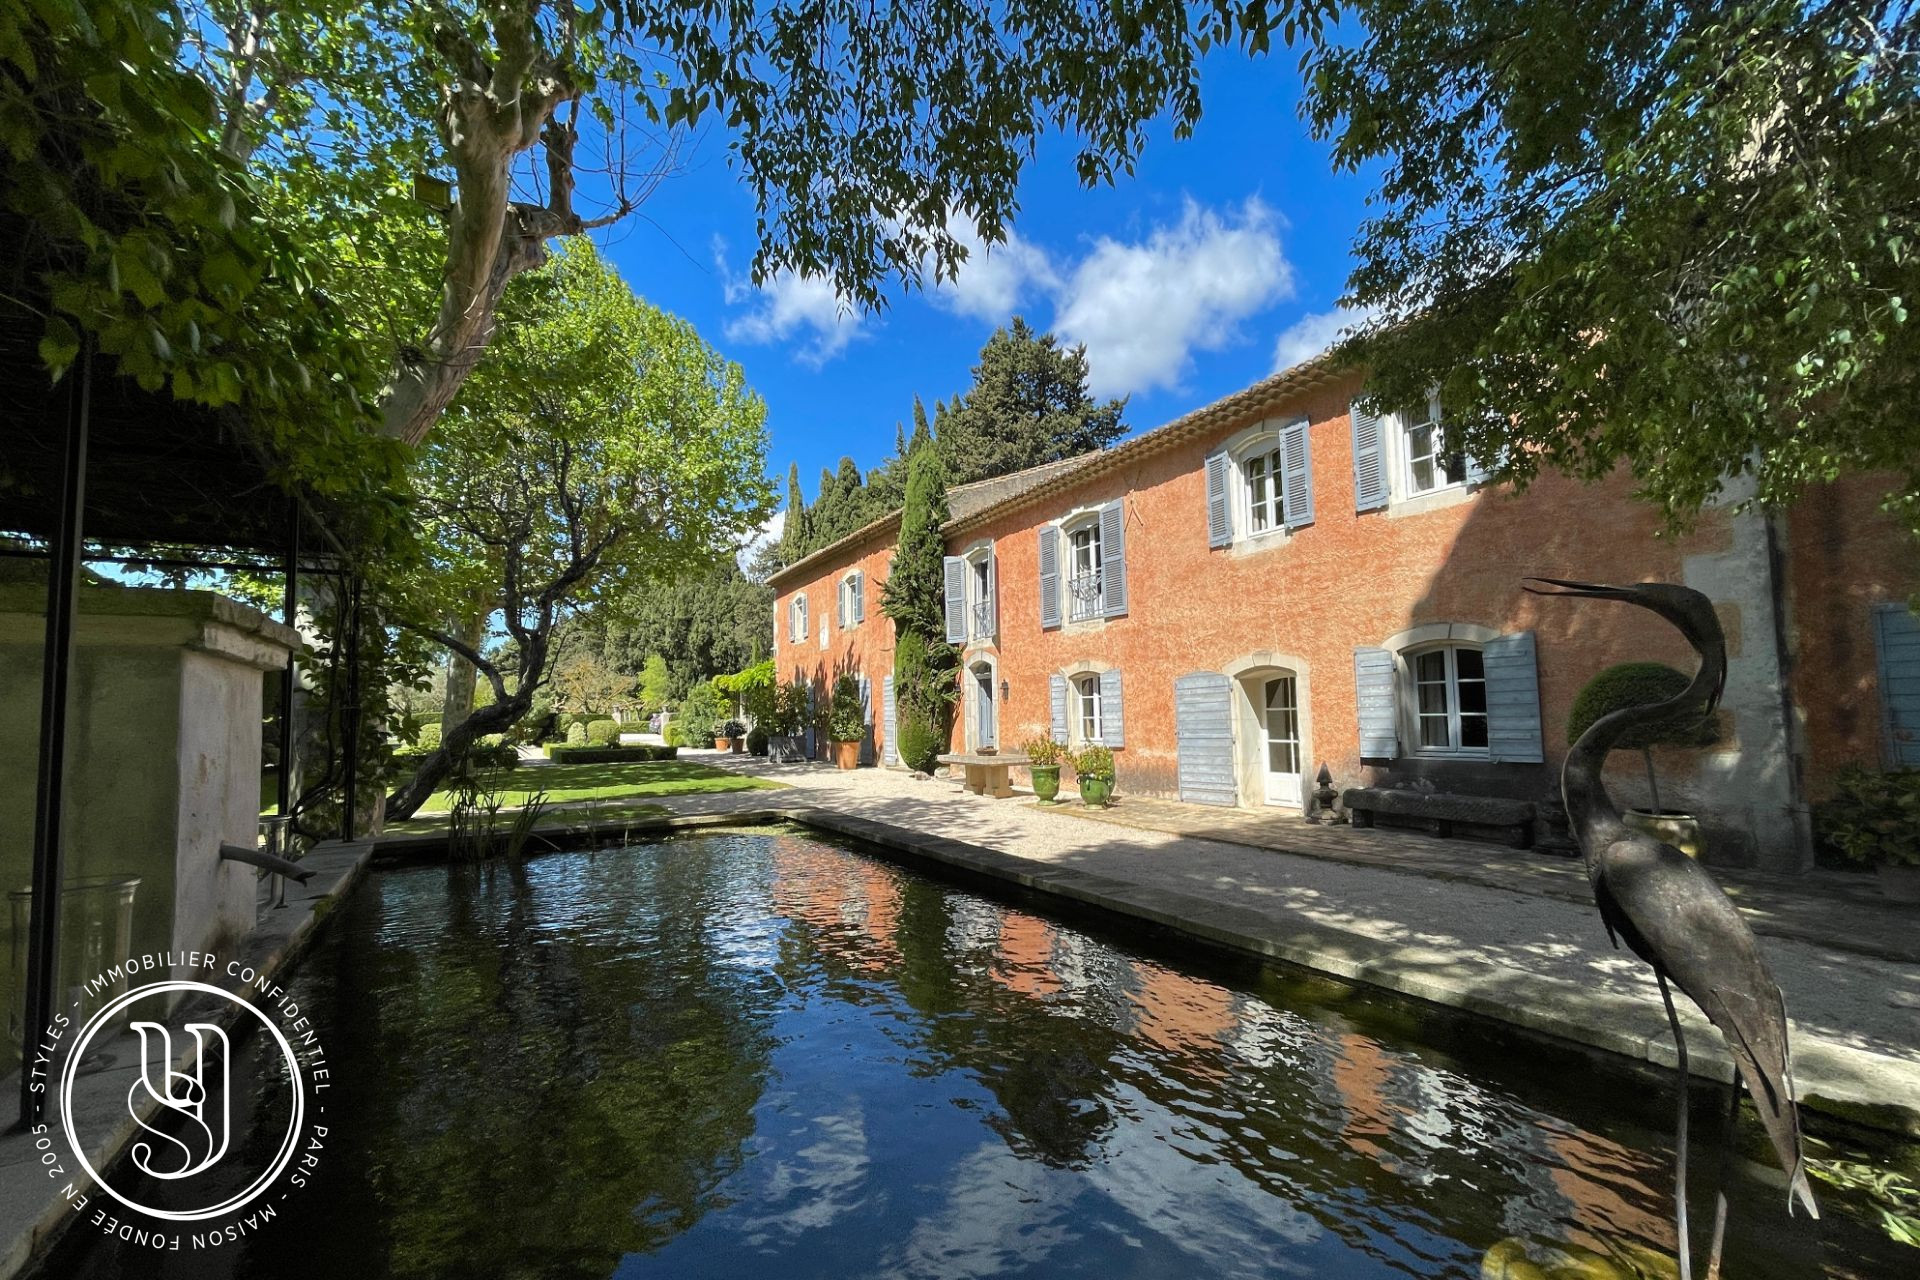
point(1896, 634)
point(1219, 511)
point(1113, 559)
point(1112, 727)
point(1369, 459)
point(1513, 699)
point(1476, 470)
point(1057, 703)
point(956, 599)
point(1374, 678)
point(866, 719)
point(859, 598)
point(889, 724)
point(1203, 734)
point(1049, 576)
point(1296, 472)
point(993, 592)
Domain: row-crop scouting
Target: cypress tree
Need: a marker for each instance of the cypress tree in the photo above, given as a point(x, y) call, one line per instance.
point(793, 535)
point(914, 596)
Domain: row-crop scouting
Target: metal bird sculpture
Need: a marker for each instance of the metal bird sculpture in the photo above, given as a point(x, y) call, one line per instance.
point(1670, 912)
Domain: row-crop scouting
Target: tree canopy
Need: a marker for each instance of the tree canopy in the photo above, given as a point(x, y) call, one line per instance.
point(1028, 405)
point(1678, 237)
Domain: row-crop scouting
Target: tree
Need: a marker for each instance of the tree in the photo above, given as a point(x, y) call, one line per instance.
point(1674, 237)
point(584, 681)
point(653, 683)
point(600, 442)
point(708, 621)
point(914, 596)
point(794, 533)
point(1028, 405)
point(459, 139)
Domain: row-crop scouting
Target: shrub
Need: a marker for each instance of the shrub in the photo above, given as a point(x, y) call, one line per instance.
point(576, 734)
point(1874, 818)
point(1043, 752)
point(673, 735)
point(1640, 684)
point(756, 741)
point(610, 755)
point(846, 720)
point(704, 706)
point(921, 741)
point(1094, 762)
point(492, 755)
point(602, 732)
point(790, 709)
point(429, 736)
point(730, 729)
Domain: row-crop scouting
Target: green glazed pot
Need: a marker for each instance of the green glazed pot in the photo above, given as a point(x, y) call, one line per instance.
point(1046, 781)
point(1096, 791)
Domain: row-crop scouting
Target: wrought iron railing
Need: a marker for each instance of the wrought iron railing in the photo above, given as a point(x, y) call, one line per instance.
point(982, 620)
point(1083, 595)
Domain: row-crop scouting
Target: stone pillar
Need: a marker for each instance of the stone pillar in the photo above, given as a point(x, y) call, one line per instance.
point(163, 754)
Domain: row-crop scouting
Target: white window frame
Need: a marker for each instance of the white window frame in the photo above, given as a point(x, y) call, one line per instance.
point(1087, 522)
point(1262, 444)
point(979, 581)
point(1450, 681)
point(847, 620)
point(1083, 693)
point(797, 619)
point(1446, 476)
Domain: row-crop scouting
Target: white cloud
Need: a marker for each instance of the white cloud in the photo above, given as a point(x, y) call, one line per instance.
point(805, 311)
point(1143, 309)
point(768, 532)
point(994, 278)
point(1308, 336)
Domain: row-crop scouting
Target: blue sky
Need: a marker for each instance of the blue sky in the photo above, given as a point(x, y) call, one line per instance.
point(1222, 256)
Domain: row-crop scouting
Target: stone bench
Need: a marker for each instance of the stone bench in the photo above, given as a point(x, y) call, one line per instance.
point(1438, 811)
point(986, 775)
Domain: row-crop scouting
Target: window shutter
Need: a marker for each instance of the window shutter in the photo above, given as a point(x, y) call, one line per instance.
point(993, 592)
point(1513, 699)
point(1296, 462)
point(889, 724)
point(1369, 459)
point(1057, 701)
point(1374, 678)
point(1049, 576)
point(1896, 634)
point(1219, 512)
point(1476, 470)
point(859, 597)
point(1203, 735)
point(1111, 728)
point(956, 599)
point(1113, 559)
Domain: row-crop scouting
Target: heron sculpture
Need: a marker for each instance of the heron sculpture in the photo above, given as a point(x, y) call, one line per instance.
point(1671, 913)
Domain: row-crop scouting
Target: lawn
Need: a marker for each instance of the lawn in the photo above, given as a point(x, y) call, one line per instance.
point(623, 789)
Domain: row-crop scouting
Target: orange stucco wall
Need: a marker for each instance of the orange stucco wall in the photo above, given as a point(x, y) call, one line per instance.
point(866, 647)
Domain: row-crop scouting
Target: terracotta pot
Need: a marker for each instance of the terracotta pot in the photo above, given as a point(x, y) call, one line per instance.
point(846, 755)
point(1046, 781)
point(1673, 826)
point(1096, 792)
point(724, 744)
point(1899, 884)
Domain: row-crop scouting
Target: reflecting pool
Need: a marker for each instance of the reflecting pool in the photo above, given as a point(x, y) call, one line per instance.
point(762, 1055)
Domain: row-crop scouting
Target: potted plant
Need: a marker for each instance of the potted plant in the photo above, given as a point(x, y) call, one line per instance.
point(729, 735)
point(1043, 762)
point(846, 723)
point(1640, 684)
point(1874, 820)
point(1094, 767)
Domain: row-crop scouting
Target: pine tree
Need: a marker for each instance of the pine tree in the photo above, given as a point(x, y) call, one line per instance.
point(1028, 405)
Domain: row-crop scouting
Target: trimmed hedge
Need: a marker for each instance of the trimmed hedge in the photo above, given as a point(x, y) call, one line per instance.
point(609, 755)
point(602, 733)
point(480, 755)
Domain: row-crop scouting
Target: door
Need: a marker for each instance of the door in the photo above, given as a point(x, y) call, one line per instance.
point(983, 725)
point(1283, 741)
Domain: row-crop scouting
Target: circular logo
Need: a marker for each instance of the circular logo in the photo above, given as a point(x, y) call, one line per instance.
point(216, 1088)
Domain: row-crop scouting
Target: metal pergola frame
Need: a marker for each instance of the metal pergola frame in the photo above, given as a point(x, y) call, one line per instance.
point(56, 510)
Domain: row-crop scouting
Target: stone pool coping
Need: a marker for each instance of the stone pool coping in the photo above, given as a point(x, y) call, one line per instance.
point(1834, 1080)
point(33, 1213)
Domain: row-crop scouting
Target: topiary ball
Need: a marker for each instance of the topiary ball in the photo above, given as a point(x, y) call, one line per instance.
point(1640, 684)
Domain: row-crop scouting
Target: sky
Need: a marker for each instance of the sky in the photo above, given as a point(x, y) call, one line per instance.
point(1219, 260)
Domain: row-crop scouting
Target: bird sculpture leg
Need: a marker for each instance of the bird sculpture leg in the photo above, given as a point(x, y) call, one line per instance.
point(1683, 1252)
point(1726, 1173)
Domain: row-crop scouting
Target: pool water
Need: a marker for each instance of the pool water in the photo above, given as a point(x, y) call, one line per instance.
point(760, 1054)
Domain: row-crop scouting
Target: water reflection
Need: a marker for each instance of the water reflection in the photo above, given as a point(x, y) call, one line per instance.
point(745, 1053)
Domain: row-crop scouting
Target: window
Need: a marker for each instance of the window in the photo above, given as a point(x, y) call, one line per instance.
point(853, 590)
point(1260, 471)
point(980, 619)
point(1083, 571)
point(1450, 699)
point(1086, 709)
point(1425, 466)
point(797, 619)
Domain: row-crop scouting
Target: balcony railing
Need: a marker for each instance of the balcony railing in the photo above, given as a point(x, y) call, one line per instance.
point(1083, 595)
point(982, 620)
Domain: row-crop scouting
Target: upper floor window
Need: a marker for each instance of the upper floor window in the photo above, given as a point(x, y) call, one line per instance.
point(1397, 456)
point(1425, 463)
point(1450, 698)
point(1083, 565)
point(1260, 482)
point(853, 599)
point(972, 613)
point(1261, 471)
point(1083, 570)
point(797, 619)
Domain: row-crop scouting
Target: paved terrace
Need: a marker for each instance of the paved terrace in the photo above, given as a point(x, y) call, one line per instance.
point(1509, 934)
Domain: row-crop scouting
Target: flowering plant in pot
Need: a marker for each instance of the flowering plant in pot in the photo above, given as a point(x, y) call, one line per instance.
point(1044, 757)
point(1874, 819)
point(729, 735)
point(1640, 684)
point(846, 722)
point(1094, 767)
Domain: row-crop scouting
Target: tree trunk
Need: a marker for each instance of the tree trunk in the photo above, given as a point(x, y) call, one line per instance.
point(461, 675)
point(437, 764)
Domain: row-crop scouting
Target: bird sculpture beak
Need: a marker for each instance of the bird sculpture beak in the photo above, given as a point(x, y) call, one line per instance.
point(1567, 587)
